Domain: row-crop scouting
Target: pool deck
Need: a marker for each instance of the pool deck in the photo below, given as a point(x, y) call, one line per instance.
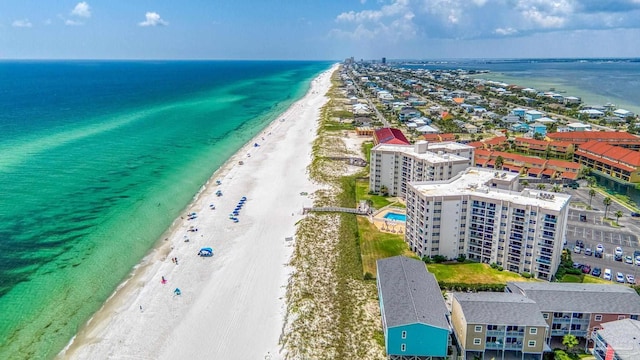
point(388, 225)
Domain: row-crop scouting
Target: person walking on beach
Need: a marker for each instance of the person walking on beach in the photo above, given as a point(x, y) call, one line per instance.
point(163, 281)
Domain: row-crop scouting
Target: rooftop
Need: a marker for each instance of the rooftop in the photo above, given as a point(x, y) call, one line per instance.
point(499, 309)
point(431, 155)
point(623, 336)
point(586, 298)
point(410, 294)
point(476, 181)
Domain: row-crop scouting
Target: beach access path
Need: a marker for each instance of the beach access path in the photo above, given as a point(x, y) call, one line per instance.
point(231, 305)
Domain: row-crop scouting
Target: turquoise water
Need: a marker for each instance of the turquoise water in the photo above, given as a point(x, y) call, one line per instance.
point(395, 217)
point(96, 161)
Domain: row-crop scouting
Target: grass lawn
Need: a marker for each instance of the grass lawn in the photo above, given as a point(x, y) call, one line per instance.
point(376, 245)
point(362, 193)
point(473, 273)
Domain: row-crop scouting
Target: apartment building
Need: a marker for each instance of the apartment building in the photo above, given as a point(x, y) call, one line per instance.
point(480, 213)
point(498, 325)
point(392, 166)
point(613, 161)
point(579, 309)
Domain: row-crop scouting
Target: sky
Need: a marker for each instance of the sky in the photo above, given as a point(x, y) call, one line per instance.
point(318, 29)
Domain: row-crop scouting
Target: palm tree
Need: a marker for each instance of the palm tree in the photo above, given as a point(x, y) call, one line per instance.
point(592, 193)
point(556, 188)
point(541, 186)
point(524, 183)
point(618, 214)
point(607, 203)
point(591, 180)
point(499, 162)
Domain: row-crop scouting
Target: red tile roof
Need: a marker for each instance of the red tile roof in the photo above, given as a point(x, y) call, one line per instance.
point(535, 171)
point(439, 137)
point(532, 141)
point(548, 172)
point(476, 144)
point(569, 175)
point(390, 136)
point(602, 150)
point(496, 140)
point(563, 164)
point(578, 137)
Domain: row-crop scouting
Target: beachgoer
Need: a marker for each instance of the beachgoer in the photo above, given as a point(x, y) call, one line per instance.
point(164, 281)
point(140, 308)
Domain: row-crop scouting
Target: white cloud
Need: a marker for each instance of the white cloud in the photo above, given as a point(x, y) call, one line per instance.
point(505, 31)
point(24, 23)
point(152, 19)
point(70, 22)
point(82, 9)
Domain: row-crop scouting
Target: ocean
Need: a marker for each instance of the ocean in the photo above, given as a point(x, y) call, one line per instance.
point(97, 159)
point(596, 81)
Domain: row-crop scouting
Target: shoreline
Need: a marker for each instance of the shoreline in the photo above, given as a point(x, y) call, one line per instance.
point(144, 318)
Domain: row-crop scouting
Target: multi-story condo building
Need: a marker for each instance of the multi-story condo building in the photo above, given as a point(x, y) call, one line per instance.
point(393, 166)
point(498, 326)
point(610, 160)
point(579, 309)
point(617, 340)
point(480, 214)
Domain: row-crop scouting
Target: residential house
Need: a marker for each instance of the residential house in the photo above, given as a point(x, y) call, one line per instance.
point(578, 126)
point(414, 315)
point(498, 326)
point(439, 137)
point(532, 115)
point(622, 113)
point(408, 113)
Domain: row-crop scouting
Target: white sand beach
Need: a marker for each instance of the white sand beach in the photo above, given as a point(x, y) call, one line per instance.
point(232, 304)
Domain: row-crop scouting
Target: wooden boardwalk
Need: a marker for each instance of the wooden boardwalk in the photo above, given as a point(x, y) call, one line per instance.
point(334, 209)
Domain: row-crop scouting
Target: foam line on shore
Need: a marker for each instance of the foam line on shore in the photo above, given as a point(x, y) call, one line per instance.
point(237, 296)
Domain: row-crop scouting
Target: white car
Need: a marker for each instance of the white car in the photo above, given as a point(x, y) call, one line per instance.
point(576, 249)
point(600, 248)
point(620, 277)
point(631, 279)
point(618, 251)
point(638, 260)
point(607, 274)
point(628, 259)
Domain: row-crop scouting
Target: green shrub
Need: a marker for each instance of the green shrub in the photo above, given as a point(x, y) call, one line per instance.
point(526, 275)
point(438, 259)
point(368, 276)
point(426, 259)
point(461, 258)
point(494, 265)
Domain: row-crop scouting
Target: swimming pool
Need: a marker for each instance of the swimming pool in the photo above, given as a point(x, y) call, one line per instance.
point(395, 216)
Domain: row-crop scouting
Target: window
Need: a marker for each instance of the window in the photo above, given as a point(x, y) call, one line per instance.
point(546, 315)
point(477, 341)
point(598, 318)
point(532, 343)
point(403, 347)
point(478, 328)
point(404, 334)
point(620, 317)
point(533, 331)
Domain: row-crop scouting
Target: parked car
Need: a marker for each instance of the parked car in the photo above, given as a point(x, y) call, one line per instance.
point(577, 265)
point(577, 249)
point(638, 260)
point(635, 214)
point(586, 269)
point(631, 279)
point(607, 274)
point(619, 277)
point(588, 251)
point(596, 272)
point(618, 251)
point(618, 258)
point(628, 260)
point(599, 248)
point(580, 243)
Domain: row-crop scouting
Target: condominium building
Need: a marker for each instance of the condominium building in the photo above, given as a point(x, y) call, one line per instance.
point(498, 325)
point(393, 166)
point(618, 340)
point(579, 309)
point(481, 214)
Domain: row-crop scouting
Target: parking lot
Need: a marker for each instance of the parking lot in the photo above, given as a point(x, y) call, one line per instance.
point(592, 230)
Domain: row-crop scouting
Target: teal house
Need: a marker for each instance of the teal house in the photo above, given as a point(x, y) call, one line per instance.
point(415, 319)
